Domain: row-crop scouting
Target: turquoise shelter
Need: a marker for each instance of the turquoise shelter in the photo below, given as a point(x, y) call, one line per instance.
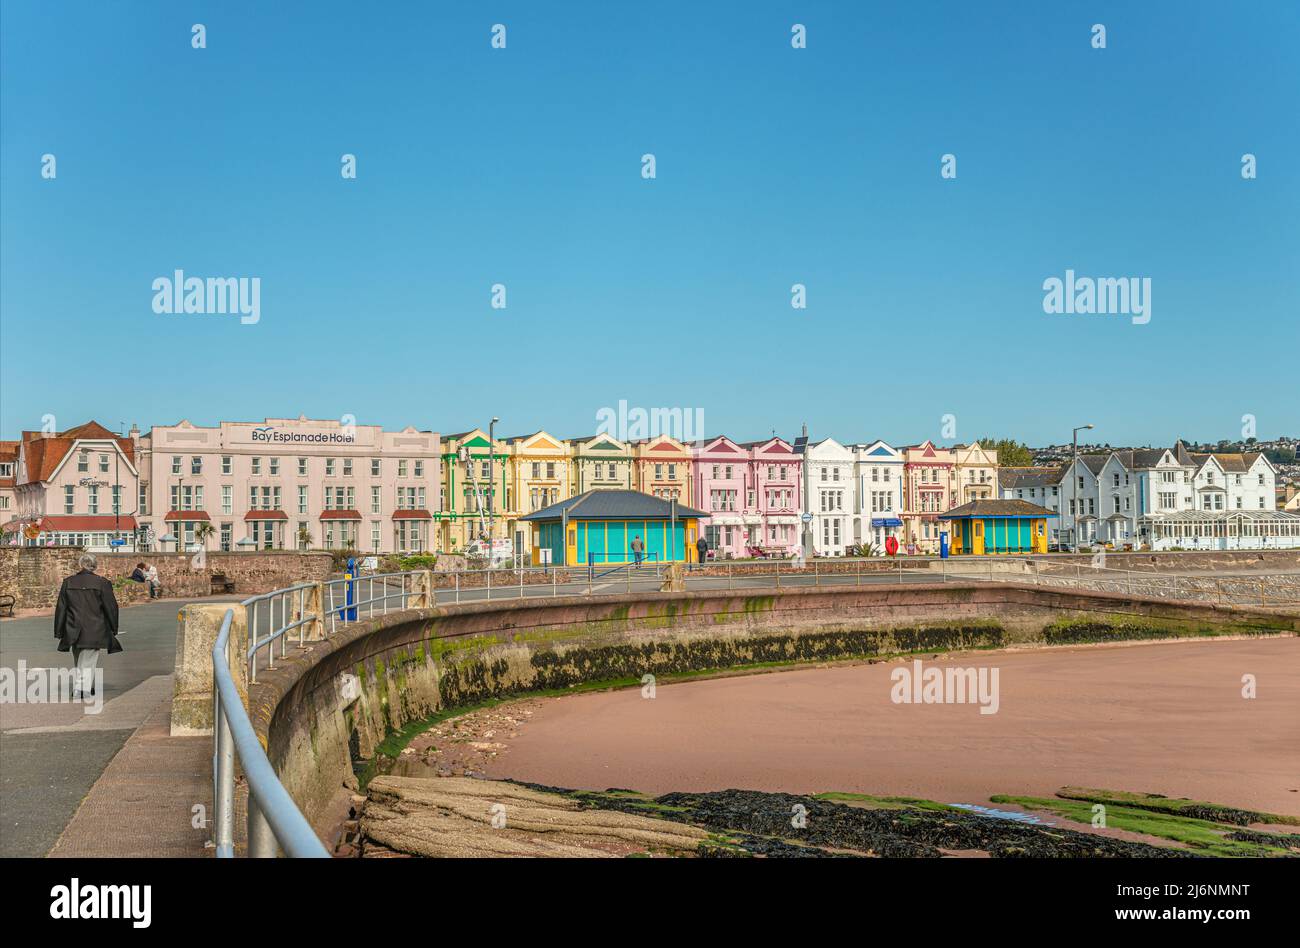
point(984, 527)
point(598, 527)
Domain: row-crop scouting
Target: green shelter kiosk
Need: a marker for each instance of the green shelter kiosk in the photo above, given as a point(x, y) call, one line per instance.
point(984, 527)
point(599, 526)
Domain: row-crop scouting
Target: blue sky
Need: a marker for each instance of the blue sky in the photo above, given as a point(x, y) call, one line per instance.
point(775, 166)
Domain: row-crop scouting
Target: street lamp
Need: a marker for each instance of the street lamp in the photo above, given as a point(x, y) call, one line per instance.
point(1074, 479)
point(492, 473)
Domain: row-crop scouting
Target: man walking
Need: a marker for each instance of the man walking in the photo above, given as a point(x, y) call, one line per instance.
point(637, 549)
point(85, 623)
point(702, 547)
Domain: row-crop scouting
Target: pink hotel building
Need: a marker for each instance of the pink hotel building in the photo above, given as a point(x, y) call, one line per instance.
point(752, 492)
point(290, 483)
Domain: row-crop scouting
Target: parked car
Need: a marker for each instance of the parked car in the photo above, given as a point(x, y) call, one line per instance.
point(502, 552)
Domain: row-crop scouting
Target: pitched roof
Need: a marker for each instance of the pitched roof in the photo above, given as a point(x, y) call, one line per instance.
point(1231, 463)
point(1021, 477)
point(614, 505)
point(1094, 462)
point(1138, 459)
point(45, 452)
point(774, 440)
point(997, 508)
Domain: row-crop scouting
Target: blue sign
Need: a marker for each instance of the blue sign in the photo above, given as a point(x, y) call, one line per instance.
point(117, 542)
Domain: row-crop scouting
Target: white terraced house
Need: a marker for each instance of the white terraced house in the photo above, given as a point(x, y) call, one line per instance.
point(878, 482)
point(1038, 485)
point(1161, 498)
point(829, 487)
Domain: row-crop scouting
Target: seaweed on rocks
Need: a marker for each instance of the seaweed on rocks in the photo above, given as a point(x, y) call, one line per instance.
point(762, 823)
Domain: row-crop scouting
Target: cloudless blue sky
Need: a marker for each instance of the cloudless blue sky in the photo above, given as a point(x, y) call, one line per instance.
point(775, 166)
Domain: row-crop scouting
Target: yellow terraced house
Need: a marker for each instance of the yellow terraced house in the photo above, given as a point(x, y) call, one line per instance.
point(600, 462)
point(975, 473)
point(663, 467)
point(541, 469)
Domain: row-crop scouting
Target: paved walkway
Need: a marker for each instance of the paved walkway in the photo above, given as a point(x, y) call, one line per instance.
point(51, 755)
point(152, 800)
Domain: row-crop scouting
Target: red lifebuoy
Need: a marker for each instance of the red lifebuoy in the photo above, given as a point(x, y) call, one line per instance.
point(891, 545)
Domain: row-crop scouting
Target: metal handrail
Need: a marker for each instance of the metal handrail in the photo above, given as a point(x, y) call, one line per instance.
point(273, 817)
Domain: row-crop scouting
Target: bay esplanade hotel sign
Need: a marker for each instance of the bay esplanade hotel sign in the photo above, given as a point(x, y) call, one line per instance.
point(270, 434)
point(290, 434)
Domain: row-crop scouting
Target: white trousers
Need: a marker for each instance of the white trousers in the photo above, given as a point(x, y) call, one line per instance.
point(85, 660)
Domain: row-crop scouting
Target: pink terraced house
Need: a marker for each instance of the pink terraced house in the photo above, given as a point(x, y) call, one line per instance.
point(752, 492)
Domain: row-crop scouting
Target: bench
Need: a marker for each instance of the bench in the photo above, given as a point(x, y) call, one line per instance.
point(221, 584)
point(7, 604)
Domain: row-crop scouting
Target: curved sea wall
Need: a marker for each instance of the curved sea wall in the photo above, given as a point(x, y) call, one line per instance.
point(335, 701)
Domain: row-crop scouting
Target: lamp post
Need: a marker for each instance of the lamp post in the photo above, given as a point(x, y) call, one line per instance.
point(807, 535)
point(180, 516)
point(492, 473)
point(117, 485)
point(1074, 479)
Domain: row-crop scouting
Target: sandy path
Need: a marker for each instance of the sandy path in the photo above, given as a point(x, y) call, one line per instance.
point(1163, 718)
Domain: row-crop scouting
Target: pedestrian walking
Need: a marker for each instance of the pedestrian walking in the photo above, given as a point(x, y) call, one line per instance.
point(702, 547)
point(638, 548)
point(85, 623)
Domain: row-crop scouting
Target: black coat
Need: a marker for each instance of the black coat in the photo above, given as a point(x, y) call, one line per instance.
point(86, 615)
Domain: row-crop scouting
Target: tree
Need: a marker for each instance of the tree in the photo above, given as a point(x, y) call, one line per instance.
point(202, 530)
point(1011, 453)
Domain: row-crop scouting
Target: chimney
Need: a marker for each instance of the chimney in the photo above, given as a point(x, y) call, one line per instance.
point(805, 430)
